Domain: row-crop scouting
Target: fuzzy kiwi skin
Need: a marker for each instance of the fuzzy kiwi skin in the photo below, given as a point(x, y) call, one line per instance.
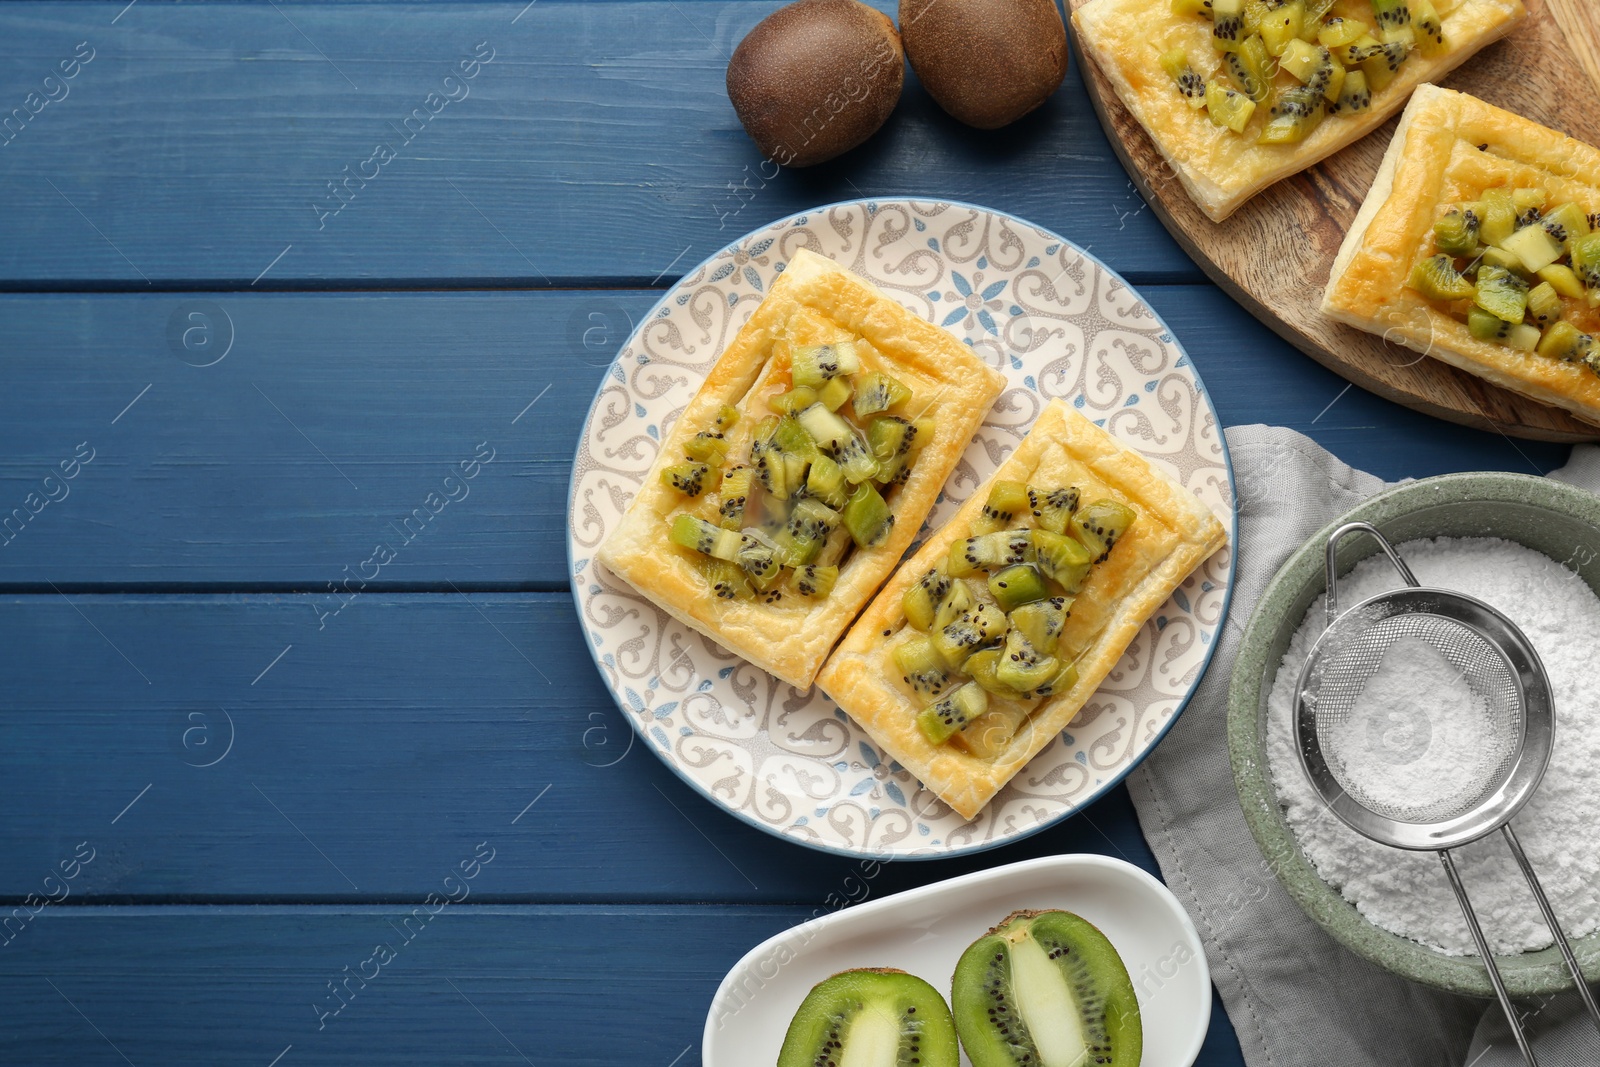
point(814, 79)
point(986, 62)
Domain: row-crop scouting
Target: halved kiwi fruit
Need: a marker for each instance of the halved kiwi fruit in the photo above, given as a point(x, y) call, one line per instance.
point(1046, 988)
point(874, 1017)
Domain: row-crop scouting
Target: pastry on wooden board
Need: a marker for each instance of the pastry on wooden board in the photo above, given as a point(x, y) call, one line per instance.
point(1220, 168)
point(1171, 534)
point(787, 620)
point(1451, 157)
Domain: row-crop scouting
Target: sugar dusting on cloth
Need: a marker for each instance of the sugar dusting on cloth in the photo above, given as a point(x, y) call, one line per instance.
point(1406, 892)
point(1417, 737)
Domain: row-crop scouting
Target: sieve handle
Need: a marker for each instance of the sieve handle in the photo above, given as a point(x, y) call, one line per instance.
point(1550, 920)
point(1488, 960)
point(1333, 566)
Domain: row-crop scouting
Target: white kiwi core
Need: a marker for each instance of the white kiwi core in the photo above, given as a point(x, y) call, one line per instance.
point(873, 1039)
point(1047, 1006)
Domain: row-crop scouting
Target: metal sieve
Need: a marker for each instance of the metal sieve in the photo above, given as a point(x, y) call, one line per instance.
point(1511, 693)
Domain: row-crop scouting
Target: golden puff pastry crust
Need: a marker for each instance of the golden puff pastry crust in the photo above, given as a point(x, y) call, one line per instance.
point(1219, 168)
point(1174, 533)
point(814, 301)
point(1448, 149)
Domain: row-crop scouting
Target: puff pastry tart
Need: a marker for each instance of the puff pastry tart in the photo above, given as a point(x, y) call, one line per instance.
point(987, 642)
point(800, 472)
point(1479, 245)
point(1237, 94)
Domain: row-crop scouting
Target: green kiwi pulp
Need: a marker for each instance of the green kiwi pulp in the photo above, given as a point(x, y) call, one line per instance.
point(1298, 58)
point(1510, 266)
point(1017, 585)
point(781, 519)
point(1046, 989)
point(951, 713)
point(871, 1018)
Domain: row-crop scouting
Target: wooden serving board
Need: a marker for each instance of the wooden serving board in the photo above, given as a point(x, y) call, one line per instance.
point(1273, 255)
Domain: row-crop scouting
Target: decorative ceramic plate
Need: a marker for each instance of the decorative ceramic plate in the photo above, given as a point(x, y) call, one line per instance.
point(924, 931)
point(1057, 322)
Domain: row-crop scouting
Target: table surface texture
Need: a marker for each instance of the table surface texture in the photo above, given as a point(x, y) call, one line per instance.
point(255, 369)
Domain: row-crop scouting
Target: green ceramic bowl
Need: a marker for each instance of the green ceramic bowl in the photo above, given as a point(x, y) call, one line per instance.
point(1550, 517)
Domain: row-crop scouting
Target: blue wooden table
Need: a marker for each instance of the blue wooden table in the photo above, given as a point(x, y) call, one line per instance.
point(270, 272)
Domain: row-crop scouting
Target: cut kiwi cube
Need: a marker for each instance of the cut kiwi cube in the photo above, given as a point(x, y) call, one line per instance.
point(1565, 222)
point(1053, 508)
point(952, 712)
point(1227, 29)
point(825, 480)
point(727, 417)
point(1456, 232)
point(1280, 25)
point(1566, 342)
point(1381, 68)
point(1022, 667)
point(833, 395)
point(695, 533)
point(957, 602)
point(728, 581)
point(1359, 50)
point(1064, 560)
point(1311, 23)
point(878, 392)
point(707, 446)
point(989, 551)
point(803, 535)
point(1339, 32)
point(687, 478)
point(1312, 64)
point(1563, 280)
point(1354, 96)
point(792, 402)
point(1192, 7)
point(1297, 111)
point(734, 495)
point(1064, 679)
point(1042, 621)
point(758, 555)
point(1488, 255)
point(791, 438)
point(889, 437)
point(1501, 293)
point(1544, 304)
point(1227, 107)
point(838, 440)
point(815, 365)
point(1586, 262)
point(1486, 326)
point(1099, 526)
point(1017, 585)
point(812, 580)
point(1498, 219)
point(1523, 338)
point(1392, 14)
point(867, 517)
point(771, 470)
point(1437, 279)
point(982, 667)
point(1250, 68)
point(921, 600)
point(1429, 26)
point(977, 627)
point(921, 667)
point(1191, 86)
point(1535, 246)
point(1007, 500)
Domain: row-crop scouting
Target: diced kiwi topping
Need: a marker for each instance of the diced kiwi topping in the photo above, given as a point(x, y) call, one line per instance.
point(778, 517)
point(1295, 61)
point(988, 621)
point(1517, 270)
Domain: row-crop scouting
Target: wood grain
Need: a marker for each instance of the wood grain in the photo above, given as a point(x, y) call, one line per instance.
point(1274, 254)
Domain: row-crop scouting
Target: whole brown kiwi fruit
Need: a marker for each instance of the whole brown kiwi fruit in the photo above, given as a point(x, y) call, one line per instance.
point(816, 78)
point(986, 62)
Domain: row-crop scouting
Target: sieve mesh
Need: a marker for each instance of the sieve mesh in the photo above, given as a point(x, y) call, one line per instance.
point(1352, 651)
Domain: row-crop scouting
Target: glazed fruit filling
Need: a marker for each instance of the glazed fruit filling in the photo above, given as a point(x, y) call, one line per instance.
point(1297, 61)
point(988, 620)
point(815, 484)
point(1519, 271)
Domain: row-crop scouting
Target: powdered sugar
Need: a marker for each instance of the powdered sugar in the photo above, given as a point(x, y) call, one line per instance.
point(1416, 737)
point(1406, 892)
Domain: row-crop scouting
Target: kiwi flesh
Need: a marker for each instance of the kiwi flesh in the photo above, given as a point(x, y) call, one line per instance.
point(1046, 988)
point(816, 78)
point(951, 713)
point(921, 600)
point(986, 62)
point(1437, 279)
point(875, 1017)
point(1099, 526)
point(921, 666)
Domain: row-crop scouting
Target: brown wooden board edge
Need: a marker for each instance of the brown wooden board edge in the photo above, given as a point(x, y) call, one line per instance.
point(1575, 431)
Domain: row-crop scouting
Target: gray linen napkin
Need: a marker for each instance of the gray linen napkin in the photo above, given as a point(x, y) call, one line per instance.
point(1296, 996)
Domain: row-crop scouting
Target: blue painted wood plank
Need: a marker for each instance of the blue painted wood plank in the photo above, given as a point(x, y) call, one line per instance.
point(238, 145)
point(333, 416)
point(226, 748)
point(474, 984)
